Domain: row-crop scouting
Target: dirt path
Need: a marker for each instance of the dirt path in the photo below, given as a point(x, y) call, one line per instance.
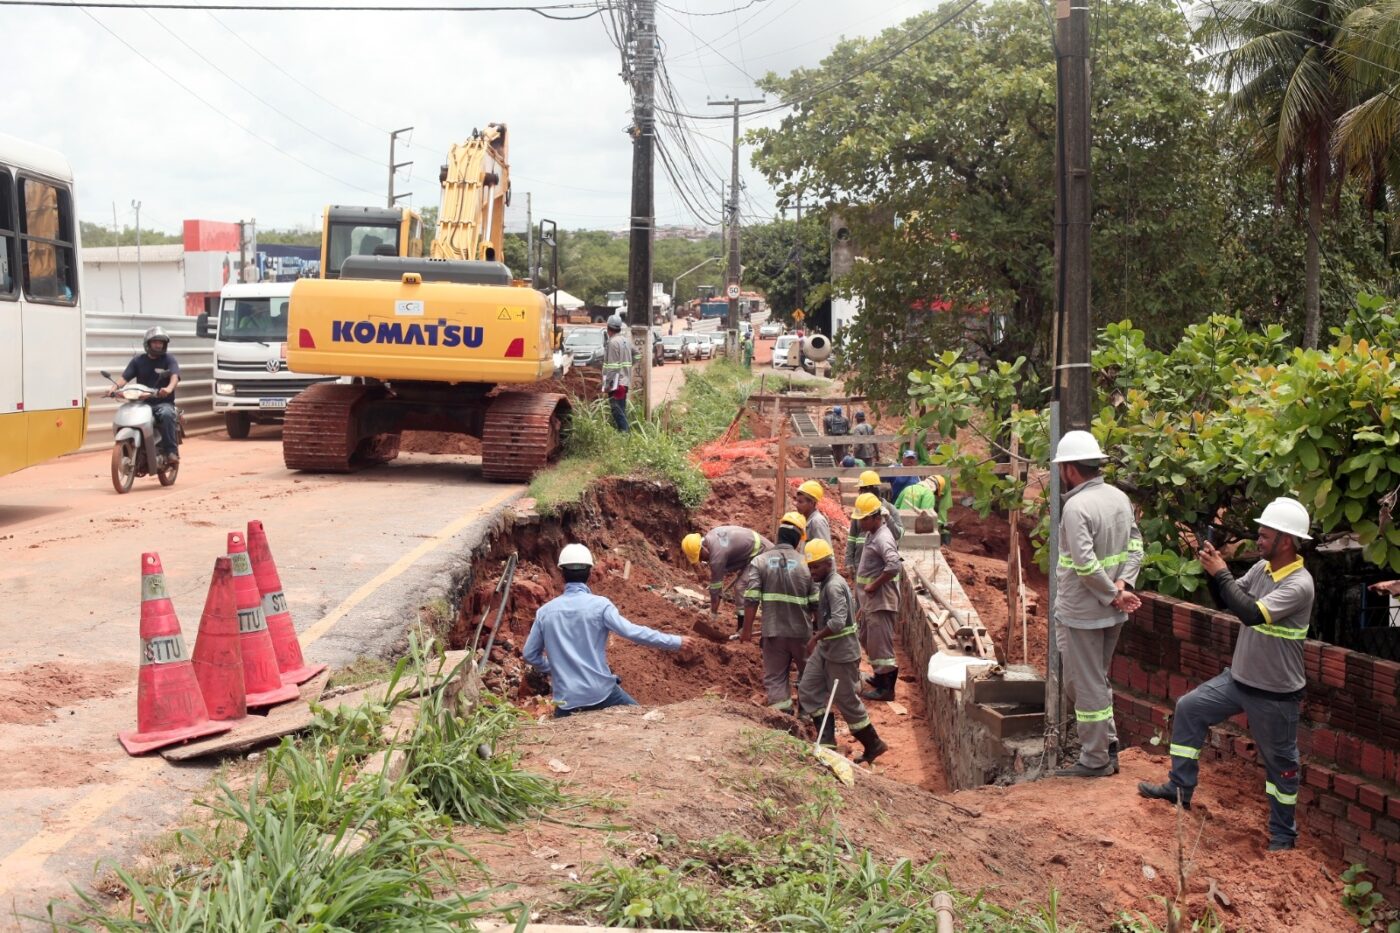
point(357, 554)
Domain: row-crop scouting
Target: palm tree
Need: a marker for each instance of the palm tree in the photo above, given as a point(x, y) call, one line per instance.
point(1276, 59)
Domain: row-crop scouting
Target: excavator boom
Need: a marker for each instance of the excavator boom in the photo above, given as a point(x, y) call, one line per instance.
point(475, 192)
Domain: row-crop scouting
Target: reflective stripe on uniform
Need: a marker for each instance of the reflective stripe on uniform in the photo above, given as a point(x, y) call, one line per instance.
point(1186, 751)
point(1288, 800)
point(883, 662)
point(617, 365)
point(1288, 632)
point(857, 726)
point(1093, 715)
point(785, 598)
point(781, 704)
point(848, 630)
point(757, 544)
point(856, 539)
point(753, 594)
point(717, 586)
point(1094, 566)
point(864, 581)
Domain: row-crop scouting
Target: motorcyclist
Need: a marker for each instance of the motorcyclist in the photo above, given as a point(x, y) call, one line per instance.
point(159, 371)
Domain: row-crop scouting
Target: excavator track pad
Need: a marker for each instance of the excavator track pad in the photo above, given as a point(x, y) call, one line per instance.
point(521, 434)
point(321, 432)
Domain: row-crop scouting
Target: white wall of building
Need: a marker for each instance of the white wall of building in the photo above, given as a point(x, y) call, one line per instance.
point(111, 286)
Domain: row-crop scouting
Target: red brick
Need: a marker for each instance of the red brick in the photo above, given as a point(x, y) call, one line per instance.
point(1348, 749)
point(1392, 807)
point(1240, 720)
point(1118, 672)
point(1360, 816)
point(1157, 684)
point(1347, 786)
point(1349, 834)
point(1372, 797)
point(1372, 761)
point(1388, 828)
point(1244, 748)
point(1373, 844)
point(1306, 795)
point(1331, 803)
point(1392, 852)
point(1160, 715)
point(1319, 823)
point(1317, 775)
point(1324, 742)
point(1137, 679)
point(1177, 686)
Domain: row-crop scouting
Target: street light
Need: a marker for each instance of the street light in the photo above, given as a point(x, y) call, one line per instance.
point(675, 296)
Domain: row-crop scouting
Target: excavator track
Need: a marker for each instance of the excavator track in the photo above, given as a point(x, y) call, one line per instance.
point(521, 434)
point(320, 433)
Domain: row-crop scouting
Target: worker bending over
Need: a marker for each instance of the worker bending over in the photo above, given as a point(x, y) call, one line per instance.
point(877, 595)
point(1100, 555)
point(778, 581)
point(569, 641)
point(833, 657)
point(855, 538)
point(806, 498)
point(1265, 679)
point(931, 494)
point(725, 550)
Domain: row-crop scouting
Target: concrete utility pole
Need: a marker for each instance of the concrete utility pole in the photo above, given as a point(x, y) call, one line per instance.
point(530, 237)
point(801, 282)
point(1070, 404)
point(117, 232)
point(395, 166)
point(140, 291)
point(643, 225)
point(731, 344)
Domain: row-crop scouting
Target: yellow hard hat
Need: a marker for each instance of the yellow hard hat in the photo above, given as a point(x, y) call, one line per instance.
point(939, 483)
point(869, 478)
point(690, 545)
point(796, 520)
point(867, 504)
point(818, 550)
point(813, 489)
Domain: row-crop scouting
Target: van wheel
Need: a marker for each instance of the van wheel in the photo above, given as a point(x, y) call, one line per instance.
point(237, 424)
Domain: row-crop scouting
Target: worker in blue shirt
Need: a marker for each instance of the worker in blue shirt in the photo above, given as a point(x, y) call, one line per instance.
point(569, 641)
point(899, 483)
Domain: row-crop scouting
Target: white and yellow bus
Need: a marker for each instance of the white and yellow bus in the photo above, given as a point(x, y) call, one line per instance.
point(43, 407)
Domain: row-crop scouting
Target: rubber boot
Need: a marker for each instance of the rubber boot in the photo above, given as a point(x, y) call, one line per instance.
point(1167, 791)
point(1113, 756)
point(825, 736)
point(872, 743)
point(881, 686)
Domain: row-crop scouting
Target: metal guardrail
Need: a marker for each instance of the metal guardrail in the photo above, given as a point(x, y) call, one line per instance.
point(113, 339)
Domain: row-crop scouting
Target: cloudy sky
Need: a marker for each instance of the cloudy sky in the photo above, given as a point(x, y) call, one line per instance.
point(271, 115)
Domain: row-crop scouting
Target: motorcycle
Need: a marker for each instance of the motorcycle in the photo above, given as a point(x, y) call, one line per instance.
point(134, 450)
point(658, 353)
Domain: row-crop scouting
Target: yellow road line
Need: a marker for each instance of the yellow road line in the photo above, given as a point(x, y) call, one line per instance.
point(396, 568)
point(89, 808)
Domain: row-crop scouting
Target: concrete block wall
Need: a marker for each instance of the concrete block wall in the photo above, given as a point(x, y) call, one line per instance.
point(1348, 738)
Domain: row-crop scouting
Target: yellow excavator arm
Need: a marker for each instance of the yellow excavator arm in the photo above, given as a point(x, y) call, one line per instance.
point(475, 192)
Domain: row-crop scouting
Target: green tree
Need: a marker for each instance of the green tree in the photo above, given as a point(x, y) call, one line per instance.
point(769, 256)
point(945, 152)
point(98, 235)
point(1286, 85)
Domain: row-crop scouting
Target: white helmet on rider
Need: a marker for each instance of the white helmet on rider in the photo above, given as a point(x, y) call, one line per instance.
point(152, 335)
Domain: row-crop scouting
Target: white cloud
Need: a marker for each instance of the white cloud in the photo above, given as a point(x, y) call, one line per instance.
point(134, 133)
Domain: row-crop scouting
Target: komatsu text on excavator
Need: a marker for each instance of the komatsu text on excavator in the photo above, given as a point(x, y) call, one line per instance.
point(432, 344)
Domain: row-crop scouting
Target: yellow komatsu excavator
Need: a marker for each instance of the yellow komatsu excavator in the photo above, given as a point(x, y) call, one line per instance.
point(432, 344)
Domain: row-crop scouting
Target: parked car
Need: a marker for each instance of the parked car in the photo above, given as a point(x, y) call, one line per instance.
point(674, 347)
point(786, 345)
point(717, 343)
point(699, 345)
point(771, 329)
point(588, 345)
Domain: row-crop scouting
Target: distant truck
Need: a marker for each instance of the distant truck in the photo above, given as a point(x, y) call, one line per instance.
point(251, 381)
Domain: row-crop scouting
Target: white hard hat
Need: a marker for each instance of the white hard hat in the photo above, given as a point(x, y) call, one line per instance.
point(575, 555)
point(1286, 515)
point(1078, 446)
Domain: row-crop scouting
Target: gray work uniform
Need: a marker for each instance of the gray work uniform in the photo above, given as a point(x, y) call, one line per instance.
point(855, 538)
point(1099, 545)
point(1265, 681)
point(731, 549)
point(837, 658)
point(879, 609)
point(818, 527)
point(617, 363)
point(870, 453)
point(779, 583)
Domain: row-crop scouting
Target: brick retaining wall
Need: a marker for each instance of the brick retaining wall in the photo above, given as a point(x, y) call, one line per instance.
point(1349, 737)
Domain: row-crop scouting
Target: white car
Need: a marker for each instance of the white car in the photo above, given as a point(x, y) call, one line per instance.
point(771, 329)
point(787, 344)
point(717, 343)
point(699, 345)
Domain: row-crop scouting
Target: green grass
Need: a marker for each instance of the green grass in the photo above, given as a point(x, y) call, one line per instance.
point(362, 670)
point(656, 448)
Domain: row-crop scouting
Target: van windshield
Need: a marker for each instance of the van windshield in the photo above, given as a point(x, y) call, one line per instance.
point(250, 320)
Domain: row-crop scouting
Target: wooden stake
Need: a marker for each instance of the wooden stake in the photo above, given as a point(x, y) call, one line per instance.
point(1013, 559)
point(780, 484)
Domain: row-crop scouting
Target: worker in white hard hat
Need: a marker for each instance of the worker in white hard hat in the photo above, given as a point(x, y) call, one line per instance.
point(1100, 555)
point(808, 495)
point(617, 371)
point(569, 641)
point(724, 550)
point(1265, 679)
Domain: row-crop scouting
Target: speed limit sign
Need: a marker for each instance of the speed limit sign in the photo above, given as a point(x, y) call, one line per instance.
point(732, 291)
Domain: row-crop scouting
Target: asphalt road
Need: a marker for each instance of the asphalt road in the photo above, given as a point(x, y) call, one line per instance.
point(358, 556)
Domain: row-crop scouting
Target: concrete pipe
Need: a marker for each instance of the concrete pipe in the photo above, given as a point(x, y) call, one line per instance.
point(943, 905)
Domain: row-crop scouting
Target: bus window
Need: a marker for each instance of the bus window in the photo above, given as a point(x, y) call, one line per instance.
point(46, 234)
point(9, 256)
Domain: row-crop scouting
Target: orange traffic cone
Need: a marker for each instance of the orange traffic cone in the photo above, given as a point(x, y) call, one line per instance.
point(260, 676)
point(279, 616)
point(218, 654)
point(169, 708)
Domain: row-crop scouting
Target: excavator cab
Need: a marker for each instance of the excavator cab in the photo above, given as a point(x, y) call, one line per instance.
point(367, 231)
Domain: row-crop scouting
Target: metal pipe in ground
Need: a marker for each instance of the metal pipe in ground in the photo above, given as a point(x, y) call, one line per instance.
point(943, 905)
point(503, 588)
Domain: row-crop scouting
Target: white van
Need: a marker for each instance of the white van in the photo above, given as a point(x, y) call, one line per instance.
point(251, 379)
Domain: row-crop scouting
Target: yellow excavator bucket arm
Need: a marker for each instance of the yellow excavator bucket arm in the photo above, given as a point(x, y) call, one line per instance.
point(475, 192)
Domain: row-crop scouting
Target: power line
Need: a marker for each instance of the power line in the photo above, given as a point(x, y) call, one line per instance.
point(593, 8)
point(737, 9)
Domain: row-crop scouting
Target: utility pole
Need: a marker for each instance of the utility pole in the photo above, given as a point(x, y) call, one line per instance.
point(395, 166)
point(1070, 401)
point(642, 227)
point(801, 282)
point(117, 231)
point(731, 344)
point(530, 237)
point(140, 292)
